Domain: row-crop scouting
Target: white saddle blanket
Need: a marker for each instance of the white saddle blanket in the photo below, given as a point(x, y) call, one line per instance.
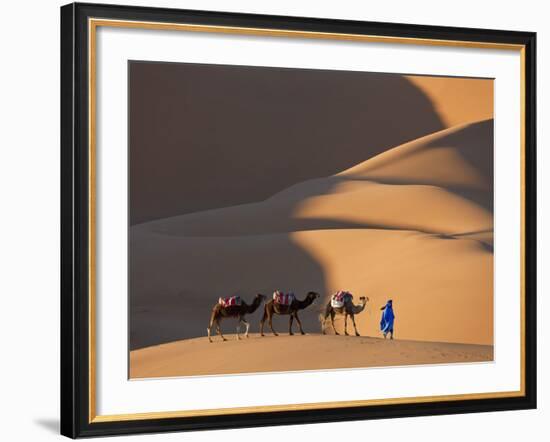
point(339, 299)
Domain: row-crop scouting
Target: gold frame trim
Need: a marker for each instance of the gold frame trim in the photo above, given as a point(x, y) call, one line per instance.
point(93, 24)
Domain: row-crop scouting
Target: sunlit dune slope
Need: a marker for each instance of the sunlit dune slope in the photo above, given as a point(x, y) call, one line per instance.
point(457, 100)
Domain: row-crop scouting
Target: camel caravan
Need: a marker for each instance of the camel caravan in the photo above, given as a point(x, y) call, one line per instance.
point(340, 303)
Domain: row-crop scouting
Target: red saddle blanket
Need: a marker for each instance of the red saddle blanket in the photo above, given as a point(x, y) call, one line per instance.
point(283, 298)
point(229, 301)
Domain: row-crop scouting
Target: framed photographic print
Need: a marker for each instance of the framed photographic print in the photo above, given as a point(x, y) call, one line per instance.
point(273, 220)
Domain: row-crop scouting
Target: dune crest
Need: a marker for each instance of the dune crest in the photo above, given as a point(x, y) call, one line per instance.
point(459, 101)
point(459, 156)
point(420, 185)
point(291, 353)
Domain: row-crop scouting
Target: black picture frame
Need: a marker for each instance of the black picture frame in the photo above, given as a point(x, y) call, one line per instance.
point(75, 221)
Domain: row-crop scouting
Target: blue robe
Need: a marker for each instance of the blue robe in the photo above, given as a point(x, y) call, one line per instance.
point(386, 323)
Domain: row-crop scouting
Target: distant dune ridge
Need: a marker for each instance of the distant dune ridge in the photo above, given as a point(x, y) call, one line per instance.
point(421, 185)
point(413, 223)
point(457, 100)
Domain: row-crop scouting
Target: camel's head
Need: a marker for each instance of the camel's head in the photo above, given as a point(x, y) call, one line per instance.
point(313, 296)
point(364, 299)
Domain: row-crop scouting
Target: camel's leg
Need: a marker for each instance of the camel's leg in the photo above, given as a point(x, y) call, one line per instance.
point(354, 326)
point(324, 319)
point(270, 319)
point(264, 317)
point(332, 315)
point(218, 328)
point(299, 323)
point(210, 324)
point(247, 325)
point(346, 324)
point(290, 319)
point(238, 328)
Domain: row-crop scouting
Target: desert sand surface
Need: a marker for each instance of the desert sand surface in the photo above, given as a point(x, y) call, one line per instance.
point(413, 224)
point(290, 353)
point(391, 199)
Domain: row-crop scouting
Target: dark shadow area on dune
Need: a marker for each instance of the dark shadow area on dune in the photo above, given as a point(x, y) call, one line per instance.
point(207, 136)
point(165, 306)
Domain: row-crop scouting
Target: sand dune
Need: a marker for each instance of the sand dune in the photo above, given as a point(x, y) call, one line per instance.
point(420, 185)
point(331, 120)
point(441, 287)
point(350, 204)
point(413, 224)
point(290, 353)
point(258, 112)
point(458, 101)
point(461, 156)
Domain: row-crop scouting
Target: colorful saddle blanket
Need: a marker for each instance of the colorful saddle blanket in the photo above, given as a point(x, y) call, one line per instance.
point(339, 298)
point(229, 301)
point(283, 298)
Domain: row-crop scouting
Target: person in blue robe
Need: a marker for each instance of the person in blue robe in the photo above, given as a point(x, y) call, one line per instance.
point(386, 323)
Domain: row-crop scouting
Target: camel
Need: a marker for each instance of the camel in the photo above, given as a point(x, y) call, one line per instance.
point(234, 311)
point(348, 309)
point(271, 308)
